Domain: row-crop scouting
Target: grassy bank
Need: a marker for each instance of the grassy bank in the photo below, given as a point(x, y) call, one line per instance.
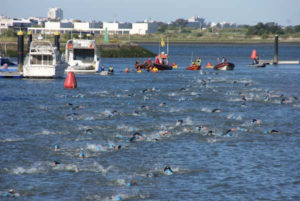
point(105, 50)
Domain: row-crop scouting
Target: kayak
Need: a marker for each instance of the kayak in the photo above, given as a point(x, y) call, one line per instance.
point(193, 67)
point(224, 66)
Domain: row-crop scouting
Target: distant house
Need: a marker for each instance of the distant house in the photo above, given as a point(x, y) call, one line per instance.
point(196, 22)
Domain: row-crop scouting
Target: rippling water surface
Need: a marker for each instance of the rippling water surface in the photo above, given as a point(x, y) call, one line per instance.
point(224, 148)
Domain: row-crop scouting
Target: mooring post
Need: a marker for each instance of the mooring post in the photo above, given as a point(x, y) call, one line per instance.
point(88, 36)
point(20, 50)
point(56, 40)
point(29, 40)
point(275, 60)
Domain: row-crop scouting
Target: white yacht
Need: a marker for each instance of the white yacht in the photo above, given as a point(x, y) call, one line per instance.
point(81, 56)
point(43, 61)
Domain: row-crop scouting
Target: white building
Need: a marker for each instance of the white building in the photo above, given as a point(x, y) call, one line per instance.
point(55, 14)
point(16, 24)
point(94, 27)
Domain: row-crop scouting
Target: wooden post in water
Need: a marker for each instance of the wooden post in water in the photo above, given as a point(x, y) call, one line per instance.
point(275, 60)
point(56, 40)
point(29, 40)
point(20, 50)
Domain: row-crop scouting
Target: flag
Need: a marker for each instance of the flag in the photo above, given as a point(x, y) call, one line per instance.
point(162, 43)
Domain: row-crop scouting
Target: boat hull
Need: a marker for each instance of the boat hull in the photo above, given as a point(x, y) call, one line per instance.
point(224, 66)
point(193, 67)
point(37, 71)
point(162, 67)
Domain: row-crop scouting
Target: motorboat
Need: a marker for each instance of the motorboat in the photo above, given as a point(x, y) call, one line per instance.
point(161, 63)
point(193, 67)
point(224, 66)
point(6, 60)
point(43, 61)
point(81, 56)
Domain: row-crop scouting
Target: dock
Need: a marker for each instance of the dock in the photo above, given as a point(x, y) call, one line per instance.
point(10, 73)
point(275, 61)
point(271, 62)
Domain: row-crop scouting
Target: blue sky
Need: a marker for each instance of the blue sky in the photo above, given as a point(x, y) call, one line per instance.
point(284, 12)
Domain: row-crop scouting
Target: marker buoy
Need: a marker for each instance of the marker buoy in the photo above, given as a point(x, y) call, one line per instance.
point(209, 65)
point(154, 70)
point(254, 54)
point(127, 70)
point(70, 82)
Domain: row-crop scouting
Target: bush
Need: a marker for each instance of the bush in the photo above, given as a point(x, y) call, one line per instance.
point(8, 33)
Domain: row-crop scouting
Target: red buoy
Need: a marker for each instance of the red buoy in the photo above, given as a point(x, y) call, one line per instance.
point(70, 81)
point(254, 54)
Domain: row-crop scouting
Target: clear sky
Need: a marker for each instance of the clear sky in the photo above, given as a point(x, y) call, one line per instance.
point(284, 12)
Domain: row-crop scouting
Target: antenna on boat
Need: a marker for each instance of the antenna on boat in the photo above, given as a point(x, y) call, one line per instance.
point(167, 45)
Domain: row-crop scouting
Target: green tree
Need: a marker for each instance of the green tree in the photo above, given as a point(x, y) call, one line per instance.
point(180, 23)
point(162, 28)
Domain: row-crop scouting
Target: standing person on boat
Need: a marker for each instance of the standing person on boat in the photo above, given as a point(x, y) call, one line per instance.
point(256, 60)
point(193, 62)
point(102, 68)
point(224, 59)
point(111, 69)
point(198, 62)
point(149, 61)
point(157, 60)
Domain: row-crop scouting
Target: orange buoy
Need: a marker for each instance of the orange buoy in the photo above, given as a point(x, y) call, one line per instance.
point(70, 82)
point(127, 70)
point(209, 65)
point(254, 54)
point(154, 70)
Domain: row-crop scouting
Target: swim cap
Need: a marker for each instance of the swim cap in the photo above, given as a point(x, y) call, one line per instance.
point(118, 198)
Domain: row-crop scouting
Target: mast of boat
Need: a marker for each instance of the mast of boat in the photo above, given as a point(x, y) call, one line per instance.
point(167, 45)
point(159, 47)
point(192, 57)
point(5, 49)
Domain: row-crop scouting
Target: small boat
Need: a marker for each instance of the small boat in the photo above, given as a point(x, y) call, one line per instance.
point(43, 61)
point(81, 56)
point(193, 67)
point(259, 65)
point(6, 60)
point(224, 66)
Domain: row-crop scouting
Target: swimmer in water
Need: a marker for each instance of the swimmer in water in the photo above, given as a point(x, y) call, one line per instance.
point(136, 137)
point(144, 107)
point(55, 163)
point(272, 132)
point(117, 147)
point(88, 131)
point(56, 147)
point(179, 122)
point(209, 133)
point(149, 174)
point(168, 170)
point(216, 110)
point(162, 104)
point(81, 154)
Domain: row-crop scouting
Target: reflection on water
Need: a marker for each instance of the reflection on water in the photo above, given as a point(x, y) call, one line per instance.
point(226, 135)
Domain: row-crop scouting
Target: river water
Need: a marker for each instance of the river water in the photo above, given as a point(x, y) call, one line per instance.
point(222, 147)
